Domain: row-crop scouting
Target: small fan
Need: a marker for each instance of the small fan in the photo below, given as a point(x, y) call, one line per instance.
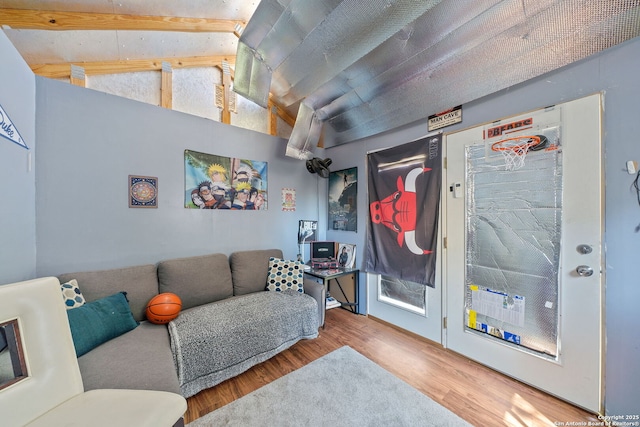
point(319, 166)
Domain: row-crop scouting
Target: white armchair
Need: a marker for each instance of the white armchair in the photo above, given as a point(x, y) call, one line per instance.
point(51, 393)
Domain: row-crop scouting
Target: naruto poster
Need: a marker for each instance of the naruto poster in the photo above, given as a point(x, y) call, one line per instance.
point(404, 196)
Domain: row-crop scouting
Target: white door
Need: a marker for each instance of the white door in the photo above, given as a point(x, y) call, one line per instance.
point(572, 370)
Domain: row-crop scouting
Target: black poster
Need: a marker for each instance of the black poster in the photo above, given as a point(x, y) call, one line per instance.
point(404, 196)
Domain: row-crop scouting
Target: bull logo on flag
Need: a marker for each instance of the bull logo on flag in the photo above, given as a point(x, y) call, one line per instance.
point(399, 211)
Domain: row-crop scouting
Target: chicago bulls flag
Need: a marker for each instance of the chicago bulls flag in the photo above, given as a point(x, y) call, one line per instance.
point(404, 196)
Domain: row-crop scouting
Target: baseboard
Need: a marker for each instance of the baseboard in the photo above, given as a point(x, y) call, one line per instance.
point(406, 332)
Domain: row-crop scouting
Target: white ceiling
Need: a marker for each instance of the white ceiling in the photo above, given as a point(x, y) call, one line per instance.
point(45, 46)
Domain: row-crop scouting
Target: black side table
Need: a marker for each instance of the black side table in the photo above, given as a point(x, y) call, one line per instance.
point(325, 276)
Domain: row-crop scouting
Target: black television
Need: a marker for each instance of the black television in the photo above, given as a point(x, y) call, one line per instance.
point(323, 250)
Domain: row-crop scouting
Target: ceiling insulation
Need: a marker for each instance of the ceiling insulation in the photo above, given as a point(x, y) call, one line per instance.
point(81, 33)
point(356, 68)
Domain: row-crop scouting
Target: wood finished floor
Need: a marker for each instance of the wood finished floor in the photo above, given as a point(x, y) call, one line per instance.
point(478, 394)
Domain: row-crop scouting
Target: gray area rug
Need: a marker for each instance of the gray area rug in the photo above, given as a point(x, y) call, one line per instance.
point(339, 389)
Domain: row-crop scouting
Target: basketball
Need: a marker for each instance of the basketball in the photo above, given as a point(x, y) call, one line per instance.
point(163, 308)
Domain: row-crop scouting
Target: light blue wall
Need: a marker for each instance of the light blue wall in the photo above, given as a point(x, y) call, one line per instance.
point(17, 180)
point(89, 142)
point(615, 73)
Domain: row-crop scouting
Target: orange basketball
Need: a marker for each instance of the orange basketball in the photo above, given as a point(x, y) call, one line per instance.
point(163, 308)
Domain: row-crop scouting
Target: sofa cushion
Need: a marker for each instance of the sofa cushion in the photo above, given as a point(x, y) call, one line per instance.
point(196, 280)
point(215, 342)
point(140, 360)
point(139, 282)
point(71, 294)
point(99, 321)
point(285, 274)
point(250, 269)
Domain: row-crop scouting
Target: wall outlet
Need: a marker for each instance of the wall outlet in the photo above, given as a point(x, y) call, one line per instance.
point(632, 167)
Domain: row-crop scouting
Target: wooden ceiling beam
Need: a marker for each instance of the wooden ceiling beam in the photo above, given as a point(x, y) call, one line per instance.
point(29, 19)
point(63, 70)
point(166, 86)
point(281, 112)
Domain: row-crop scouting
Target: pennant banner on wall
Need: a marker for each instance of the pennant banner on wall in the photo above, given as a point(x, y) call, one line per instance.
point(8, 130)
point(404, 196)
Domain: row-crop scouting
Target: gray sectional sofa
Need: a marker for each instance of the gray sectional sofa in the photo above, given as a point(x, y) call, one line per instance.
point(228, 322)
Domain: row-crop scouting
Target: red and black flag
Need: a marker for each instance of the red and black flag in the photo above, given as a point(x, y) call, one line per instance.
point(404, 197)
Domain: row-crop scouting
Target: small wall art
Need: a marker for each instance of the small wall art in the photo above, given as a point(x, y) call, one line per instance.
point(288, 199)
point(143, 191)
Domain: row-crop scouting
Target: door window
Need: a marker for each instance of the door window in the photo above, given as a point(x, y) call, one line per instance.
point(403, 294)
point(513, 230)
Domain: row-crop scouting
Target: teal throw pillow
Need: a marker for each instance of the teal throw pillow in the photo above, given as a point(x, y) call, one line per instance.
point(285, 274)
point(99, 321)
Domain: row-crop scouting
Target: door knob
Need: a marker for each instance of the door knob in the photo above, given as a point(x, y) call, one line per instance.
point(584, 270)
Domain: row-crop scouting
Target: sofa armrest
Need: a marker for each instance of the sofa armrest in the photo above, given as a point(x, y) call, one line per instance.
point(316, 290)
point(116, 408)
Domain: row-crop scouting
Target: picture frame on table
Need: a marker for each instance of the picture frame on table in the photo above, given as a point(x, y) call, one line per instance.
point(307, 231)
point(346, 255)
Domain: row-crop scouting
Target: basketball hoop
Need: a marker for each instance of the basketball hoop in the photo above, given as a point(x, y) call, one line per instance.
point(514, 150)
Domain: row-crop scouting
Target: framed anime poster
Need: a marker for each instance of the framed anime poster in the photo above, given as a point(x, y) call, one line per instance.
point(343, 194)
point(218, 182)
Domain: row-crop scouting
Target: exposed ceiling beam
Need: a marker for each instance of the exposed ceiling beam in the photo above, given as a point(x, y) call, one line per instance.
point(55, 20)
point(281, 112)
point(63, 70)
point(166, 86)
point(231, 70)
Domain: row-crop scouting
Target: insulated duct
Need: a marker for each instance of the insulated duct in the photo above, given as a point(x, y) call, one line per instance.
point(253, 76)
point(305, 134)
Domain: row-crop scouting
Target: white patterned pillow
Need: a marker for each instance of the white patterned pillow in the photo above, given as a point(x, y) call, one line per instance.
point(284, 274)
point(71, 294)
